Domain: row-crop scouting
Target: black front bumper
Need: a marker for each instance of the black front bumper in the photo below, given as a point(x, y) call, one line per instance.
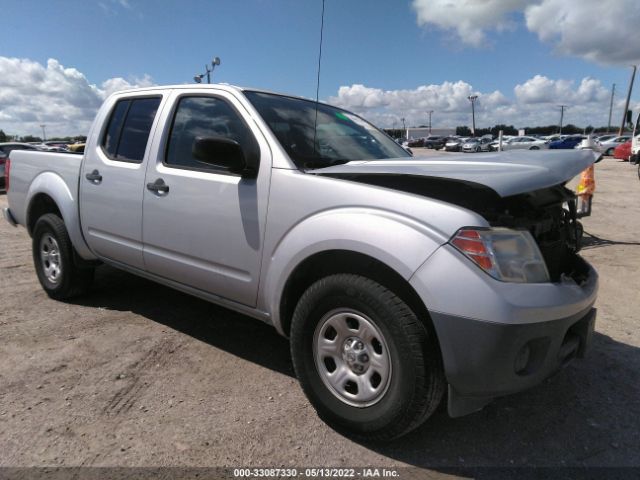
point(492, 359)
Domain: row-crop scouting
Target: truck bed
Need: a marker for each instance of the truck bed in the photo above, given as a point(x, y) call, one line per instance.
point(56, 174)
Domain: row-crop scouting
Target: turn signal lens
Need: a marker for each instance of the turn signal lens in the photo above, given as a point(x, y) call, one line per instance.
point(507, 255)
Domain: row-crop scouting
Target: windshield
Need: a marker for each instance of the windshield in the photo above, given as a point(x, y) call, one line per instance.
point(340, 137)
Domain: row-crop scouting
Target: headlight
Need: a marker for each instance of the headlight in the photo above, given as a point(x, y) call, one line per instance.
point(507, 255)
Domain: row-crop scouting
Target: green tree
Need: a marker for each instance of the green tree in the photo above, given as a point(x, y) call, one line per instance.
point(3, 136)
point(30, 138)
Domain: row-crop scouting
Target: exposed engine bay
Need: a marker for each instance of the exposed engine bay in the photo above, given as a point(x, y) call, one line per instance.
point(549, 214)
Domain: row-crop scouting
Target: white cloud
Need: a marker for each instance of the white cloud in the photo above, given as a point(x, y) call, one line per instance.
point(535, 102)
point(605, 32)
point(62, 98)
point(541, 89)
point(469, 19)
point(601, 31)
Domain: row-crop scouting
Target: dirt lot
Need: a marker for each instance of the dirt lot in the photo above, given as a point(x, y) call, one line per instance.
point(136, 374)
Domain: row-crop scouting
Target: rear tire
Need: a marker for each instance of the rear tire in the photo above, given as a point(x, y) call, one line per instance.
point(534, 148)
point(55, 260)
point(609, 152)
point(390, 392)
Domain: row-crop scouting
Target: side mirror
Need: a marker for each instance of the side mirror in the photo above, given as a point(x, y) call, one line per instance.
point(225, 153)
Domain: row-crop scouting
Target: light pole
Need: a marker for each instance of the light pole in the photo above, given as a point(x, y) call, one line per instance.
point(208, 71)
point(613, 92)
point(562, 107)
point(472, 99)
point(626, 105)
point(404, 127)
point(430, 112)
point(44, 135)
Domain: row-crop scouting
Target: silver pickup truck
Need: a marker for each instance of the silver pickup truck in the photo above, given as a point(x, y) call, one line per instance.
point(399, 281)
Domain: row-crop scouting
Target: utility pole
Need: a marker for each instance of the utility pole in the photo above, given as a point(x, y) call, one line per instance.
point(430, 112)
point(626, 105)
point(44, 135)
point(404, 127)
point(562, 107)
point(472, 99)
point(613, 91)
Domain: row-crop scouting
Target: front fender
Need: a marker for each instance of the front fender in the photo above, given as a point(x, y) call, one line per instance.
point(53, 185)
point(400, 243)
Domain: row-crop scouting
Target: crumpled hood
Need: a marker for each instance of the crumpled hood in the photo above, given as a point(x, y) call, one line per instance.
point(507, 173)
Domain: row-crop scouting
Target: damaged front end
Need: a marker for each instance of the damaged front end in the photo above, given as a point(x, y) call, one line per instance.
point(549, 214)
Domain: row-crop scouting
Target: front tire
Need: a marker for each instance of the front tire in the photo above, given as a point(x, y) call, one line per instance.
point(363, 358)
point(55, 262)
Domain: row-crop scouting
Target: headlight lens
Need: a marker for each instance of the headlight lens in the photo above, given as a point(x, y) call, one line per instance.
point(507, 255)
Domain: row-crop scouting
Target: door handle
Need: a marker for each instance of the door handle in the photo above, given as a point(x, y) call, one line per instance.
point(94, 177)
point(158, 187)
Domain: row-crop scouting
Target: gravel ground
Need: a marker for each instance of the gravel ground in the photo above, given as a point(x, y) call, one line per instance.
point(136, 374)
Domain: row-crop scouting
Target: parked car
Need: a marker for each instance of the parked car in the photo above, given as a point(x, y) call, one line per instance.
point(522, 143)
point(3, 166)
point(607, 147)
point(566, 143)
point(435, 141)
point(476, 145)
point(416, 142)
point(623, 151)
point(5, 149)
point(604, 138)
point(634, 158)
point(76, 147)
point(8, 147)
point(333, 234)
point(454, 144)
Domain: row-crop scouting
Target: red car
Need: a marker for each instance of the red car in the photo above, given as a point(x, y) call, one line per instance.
point(623, 151)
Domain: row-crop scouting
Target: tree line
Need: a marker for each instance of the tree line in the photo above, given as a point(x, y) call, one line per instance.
point(33, 139)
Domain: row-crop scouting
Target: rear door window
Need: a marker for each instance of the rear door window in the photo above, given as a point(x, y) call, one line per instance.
point(129, 127)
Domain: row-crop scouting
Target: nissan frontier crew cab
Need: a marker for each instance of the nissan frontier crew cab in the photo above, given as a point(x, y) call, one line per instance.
point(401, 282)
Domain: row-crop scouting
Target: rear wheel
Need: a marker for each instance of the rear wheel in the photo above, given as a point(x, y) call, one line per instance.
point(609, 152)
point(365, 361)
point(55, 263)
point(534, 148)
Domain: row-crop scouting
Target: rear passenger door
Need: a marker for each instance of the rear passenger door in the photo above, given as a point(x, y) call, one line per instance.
point(112, 179)
point(205, 228)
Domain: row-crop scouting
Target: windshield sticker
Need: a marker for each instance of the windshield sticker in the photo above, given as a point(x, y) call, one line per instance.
point(342, 116)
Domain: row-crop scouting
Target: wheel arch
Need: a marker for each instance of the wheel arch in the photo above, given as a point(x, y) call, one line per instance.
point(328, 262)
point(49, 193)
point(40, 204)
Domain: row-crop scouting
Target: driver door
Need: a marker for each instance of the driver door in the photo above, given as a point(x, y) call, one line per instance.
point(205, 228)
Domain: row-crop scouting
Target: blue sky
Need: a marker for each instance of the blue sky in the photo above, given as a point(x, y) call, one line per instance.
point(376, 44)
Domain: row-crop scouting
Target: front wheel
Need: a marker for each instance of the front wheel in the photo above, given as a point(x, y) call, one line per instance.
point(53, 257)
point(534, 148)
point(366, 362)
